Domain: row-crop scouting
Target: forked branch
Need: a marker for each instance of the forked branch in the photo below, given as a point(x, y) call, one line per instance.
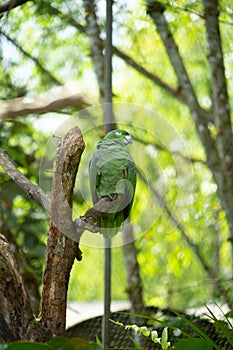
point(62, 244)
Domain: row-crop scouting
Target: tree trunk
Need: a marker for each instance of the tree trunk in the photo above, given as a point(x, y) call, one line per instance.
point(61, 250)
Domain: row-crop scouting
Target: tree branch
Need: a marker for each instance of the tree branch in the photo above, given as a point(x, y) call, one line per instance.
point(11, 283)
point(93, 214)
point(61, 250)
point(221, 108)
point(84, 222)
point(96, 44)
point(26, 185)
point(65, 17)
point(6, 334)
point(220, 99)
point(51, 101)
point(156, 11)
point(37, 62)
point(155, 79)
point(11, 4)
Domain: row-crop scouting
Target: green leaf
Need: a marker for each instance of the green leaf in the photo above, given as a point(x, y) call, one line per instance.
point(54, 344)
point(164, 339)
point(22, 345)
point(137, 346)
point(145, 331)
point(117, 323)
point(134, 327)
point(155, 337)
point(229, 314)
point(192, 343)
point(72, 344)
point(205, 337)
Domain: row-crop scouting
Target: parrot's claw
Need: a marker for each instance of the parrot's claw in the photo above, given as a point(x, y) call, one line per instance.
point(83, 224)
point(112, 196)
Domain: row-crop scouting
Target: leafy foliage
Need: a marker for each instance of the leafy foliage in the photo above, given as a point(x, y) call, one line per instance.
point(54, 344)
point(180, 331)
point(23, 221)
point(44, 44)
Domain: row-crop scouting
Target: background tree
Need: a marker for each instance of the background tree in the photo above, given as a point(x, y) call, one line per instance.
point(178, 56)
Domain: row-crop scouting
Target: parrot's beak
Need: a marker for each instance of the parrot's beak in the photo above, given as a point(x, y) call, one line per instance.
point(128, 139)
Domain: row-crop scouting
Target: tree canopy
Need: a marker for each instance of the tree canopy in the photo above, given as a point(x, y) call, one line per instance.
point(172, 90)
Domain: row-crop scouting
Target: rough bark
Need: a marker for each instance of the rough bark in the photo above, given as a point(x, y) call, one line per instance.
point(6, 334)
point(96, 44)
point(29, 276)
point(61, 250)
point(221, 109)
point(11, 284)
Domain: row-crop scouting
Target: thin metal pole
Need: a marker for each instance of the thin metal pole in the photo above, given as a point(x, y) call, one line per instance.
point(109, 125)
point(107, 293)
point(109, 118)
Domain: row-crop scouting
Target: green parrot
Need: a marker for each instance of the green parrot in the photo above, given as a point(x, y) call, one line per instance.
point(112, 173)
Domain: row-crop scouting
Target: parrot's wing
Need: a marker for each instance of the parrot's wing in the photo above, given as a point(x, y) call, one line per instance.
point(130, 185)
point(112, 171)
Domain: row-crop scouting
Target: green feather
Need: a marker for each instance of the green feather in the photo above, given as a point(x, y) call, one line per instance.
point(112, 171)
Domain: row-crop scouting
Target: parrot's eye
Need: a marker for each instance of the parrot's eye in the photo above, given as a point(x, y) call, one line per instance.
point(118, 133)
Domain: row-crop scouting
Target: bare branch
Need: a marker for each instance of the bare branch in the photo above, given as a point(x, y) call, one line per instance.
point(12, 286)
point(37, 62)
point(61, 250)
point(198, 14)
point(221, 109)
point(65, 17)
point(96, 44)
point(220, 99)
point(103, 206)
point(85, 222)
point(52, 101)
point(11, 4)
point(156, 10)
point(155, 79)
point(27, 186)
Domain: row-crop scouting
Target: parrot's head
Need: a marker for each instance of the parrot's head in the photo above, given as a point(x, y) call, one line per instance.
point(120, 135)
